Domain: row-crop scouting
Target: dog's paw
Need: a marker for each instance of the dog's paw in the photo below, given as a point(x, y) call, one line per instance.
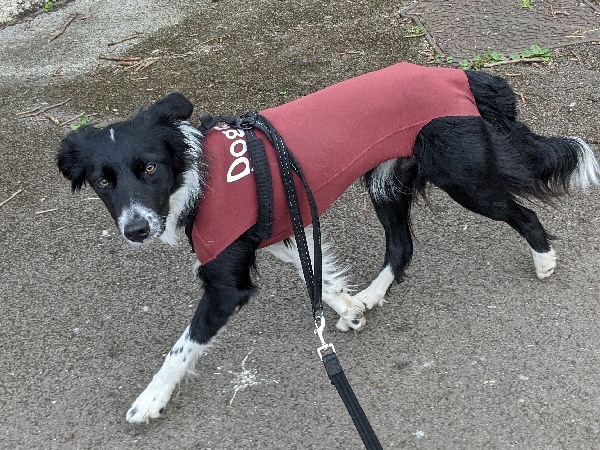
point(353, 317)
point(545, 263)
point(354, 324)
point(370, 299)
point(150, 404)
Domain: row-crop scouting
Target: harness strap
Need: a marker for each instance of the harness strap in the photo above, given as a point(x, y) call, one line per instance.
point(264, 187)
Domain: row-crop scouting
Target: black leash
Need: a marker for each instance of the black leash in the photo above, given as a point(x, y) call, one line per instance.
point(312, 273)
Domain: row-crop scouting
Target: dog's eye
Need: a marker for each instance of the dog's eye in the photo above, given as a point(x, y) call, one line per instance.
point(102, 182)
point(150, 167)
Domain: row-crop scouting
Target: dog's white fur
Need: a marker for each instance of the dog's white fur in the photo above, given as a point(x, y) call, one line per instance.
point(374, 295)
point(137, 210)
point(588, 169)
point(544, 263)
point(188, 194)
point(335, 287)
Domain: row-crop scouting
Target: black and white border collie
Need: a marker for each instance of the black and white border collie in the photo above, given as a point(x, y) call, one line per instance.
point(150, 173)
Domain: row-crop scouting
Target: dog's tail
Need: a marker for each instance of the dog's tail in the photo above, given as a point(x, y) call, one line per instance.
point(534, 166)
point(542, 167)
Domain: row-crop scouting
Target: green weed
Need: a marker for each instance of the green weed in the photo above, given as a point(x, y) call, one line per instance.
point(83, 121)
point(526, 4)
point(416, 31)
point(492, 57)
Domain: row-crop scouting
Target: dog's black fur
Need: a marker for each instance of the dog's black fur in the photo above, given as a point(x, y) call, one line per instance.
point(484, 163)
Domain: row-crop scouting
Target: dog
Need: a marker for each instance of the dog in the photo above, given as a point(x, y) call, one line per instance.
point(401, 128)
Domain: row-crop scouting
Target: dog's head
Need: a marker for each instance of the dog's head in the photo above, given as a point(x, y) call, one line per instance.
point(145, 170)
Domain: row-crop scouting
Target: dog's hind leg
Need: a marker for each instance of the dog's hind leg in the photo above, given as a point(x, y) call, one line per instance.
point(335, 292)
point(391, 188)
point(227, 287)
point(485, 194)
point(485, 171)
point(523, 220)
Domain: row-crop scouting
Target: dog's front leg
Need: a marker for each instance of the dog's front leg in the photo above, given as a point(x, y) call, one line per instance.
point(151, 402)
point(227, 286)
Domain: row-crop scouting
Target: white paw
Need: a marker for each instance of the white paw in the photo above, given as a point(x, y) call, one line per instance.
point(545, 263)
point(374, 295)
point(150, 403)
point(370, 299)
point(355, 324)
point(353, 316)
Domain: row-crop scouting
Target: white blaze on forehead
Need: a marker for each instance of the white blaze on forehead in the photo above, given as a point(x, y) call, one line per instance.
point(112, 135)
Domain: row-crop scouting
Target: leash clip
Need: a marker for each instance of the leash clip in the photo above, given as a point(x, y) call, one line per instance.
point(319, 327)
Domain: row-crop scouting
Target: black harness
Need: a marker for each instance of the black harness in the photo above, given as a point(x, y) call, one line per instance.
point(263, 230)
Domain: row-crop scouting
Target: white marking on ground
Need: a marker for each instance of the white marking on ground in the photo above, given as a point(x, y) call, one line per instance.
point(246, 378)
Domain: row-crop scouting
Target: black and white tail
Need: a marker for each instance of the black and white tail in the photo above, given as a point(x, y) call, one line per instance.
point(533, 166)
point(587, 172)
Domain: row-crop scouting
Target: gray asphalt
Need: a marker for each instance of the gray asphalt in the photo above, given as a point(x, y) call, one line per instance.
point(472, 351)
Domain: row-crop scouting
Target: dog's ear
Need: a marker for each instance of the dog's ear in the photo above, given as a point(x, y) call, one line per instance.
point(70, 158)
point(173, 107)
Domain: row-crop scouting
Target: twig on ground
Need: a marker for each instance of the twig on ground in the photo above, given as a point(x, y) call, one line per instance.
point(38, 110)
point(52, 119)
point(581, 36)
point(62, 29)
point(553, 12)
point(220, 38)
point(516, 61)
point(74, 118)
point(125, 38)
point(121, 58)
point(137, 63)
point(31, 111)
point(145, 64)
point(46, 211)
point(5, 201)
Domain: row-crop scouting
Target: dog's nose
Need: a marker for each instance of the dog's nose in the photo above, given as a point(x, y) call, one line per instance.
point(137, 230)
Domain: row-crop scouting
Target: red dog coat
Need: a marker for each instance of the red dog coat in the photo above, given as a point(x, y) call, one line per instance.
point(337, 134)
